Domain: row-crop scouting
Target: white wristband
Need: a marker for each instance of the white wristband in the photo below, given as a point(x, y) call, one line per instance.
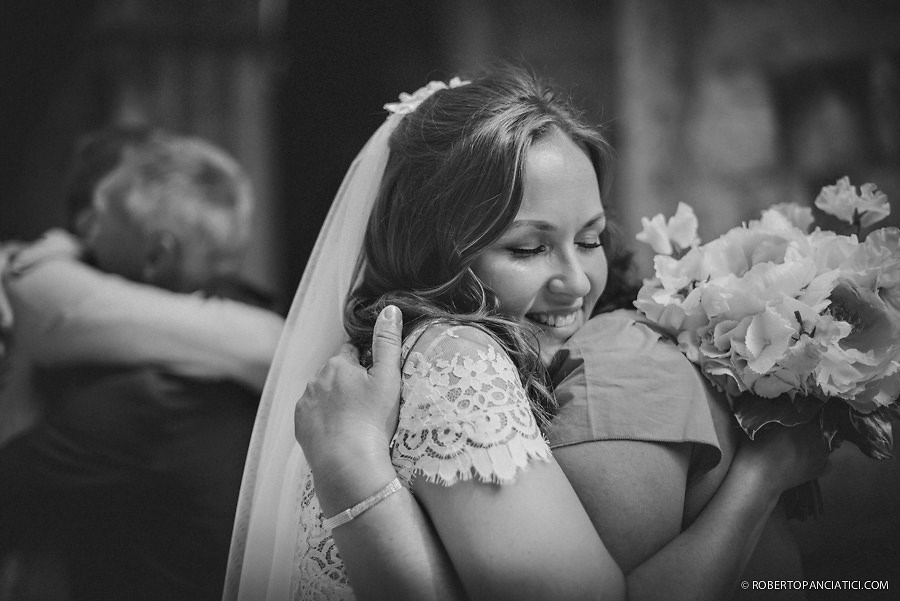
point(364, 505)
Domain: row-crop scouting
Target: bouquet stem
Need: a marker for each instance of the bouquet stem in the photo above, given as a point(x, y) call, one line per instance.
point(804, 501)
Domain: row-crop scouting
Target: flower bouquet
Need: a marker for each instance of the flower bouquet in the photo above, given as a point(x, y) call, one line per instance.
point(793, 323)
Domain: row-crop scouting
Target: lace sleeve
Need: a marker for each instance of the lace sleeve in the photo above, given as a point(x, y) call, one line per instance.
point(464, 412)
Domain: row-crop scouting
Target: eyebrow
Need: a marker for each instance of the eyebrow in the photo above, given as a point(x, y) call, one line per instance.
point(544, 226)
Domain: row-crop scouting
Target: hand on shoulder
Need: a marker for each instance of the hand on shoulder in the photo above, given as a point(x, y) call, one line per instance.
point(352, 405)
point(18, 257)
point(54, 244)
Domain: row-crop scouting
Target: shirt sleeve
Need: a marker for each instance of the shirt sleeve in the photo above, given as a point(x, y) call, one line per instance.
point(618, 379)
point(66, 313)
point(464, 413)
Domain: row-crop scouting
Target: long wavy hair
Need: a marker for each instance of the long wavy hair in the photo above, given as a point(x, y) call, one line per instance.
point(452, 185)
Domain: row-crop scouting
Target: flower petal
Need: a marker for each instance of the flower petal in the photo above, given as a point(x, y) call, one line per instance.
point(654, 233)
point(767, 340)
point(682, 227)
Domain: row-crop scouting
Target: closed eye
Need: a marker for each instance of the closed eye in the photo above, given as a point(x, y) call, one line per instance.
point(527, 252)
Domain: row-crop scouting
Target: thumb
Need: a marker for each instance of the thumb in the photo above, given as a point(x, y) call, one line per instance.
point(386, 340)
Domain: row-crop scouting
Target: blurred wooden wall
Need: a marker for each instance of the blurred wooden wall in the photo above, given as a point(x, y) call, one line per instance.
point(733, 105)
point(198, 67)
point(728, 105)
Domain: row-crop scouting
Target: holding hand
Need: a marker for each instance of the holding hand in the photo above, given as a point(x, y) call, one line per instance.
point(787, 456)
point(16, 257)
point(347, 409)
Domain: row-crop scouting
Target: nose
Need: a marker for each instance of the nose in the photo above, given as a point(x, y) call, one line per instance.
point(570, 279)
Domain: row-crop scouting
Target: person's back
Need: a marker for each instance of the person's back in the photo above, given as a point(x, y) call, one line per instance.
point(159, 521)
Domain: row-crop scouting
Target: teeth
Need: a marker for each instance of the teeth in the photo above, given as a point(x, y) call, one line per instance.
point(555, 321)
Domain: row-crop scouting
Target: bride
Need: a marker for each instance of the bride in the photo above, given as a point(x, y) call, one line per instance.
point(486, 230)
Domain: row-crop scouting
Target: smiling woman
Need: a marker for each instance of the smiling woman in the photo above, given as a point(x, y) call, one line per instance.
point(466, 162)
point(486, 233)
point(455, 184)
point(549, 267)
point(486, 230)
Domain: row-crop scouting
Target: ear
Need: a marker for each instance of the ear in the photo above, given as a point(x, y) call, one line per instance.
point(162, 260)
point(83, 224)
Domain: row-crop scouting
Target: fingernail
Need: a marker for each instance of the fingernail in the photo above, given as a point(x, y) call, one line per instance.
point(392, 313)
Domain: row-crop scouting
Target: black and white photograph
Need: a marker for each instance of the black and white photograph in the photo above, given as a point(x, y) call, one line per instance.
point(336, 300)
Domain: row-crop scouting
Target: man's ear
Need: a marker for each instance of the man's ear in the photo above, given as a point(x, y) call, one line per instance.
point(162, 260)
point(83, 223)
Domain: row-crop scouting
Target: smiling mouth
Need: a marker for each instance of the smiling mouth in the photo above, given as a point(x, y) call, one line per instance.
point(554, 321)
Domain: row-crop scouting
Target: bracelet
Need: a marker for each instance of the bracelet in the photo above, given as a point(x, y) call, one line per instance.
point(364, 505)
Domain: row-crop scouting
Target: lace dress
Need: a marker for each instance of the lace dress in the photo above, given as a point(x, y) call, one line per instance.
point(464, 414)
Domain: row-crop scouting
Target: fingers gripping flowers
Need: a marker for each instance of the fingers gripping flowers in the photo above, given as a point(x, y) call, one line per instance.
point(771, 311)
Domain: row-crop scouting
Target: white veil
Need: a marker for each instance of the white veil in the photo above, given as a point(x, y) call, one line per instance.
point(262, 556)
point(261, 560)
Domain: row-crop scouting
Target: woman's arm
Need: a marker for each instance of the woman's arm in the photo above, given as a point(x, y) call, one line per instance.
point(624, 390)
point(634, 493)
point(76, 314)
point(481, 469)
point(776, 557)
point(390, 551)
point(524, 538)
point(522, 541)
point(489, 530)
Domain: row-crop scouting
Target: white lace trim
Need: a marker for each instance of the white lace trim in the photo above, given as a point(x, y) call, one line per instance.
point(464, 414)
point(319, 573)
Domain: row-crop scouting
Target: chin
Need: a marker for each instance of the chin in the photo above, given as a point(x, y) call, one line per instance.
point(550, 337)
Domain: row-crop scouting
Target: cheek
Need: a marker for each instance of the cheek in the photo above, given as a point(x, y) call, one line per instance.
point(515, 284)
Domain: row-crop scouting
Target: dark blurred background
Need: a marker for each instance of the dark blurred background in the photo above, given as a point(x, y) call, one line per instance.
point(729, 105)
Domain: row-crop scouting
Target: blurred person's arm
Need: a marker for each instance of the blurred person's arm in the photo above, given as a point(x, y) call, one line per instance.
point(77, 314)
point(7, 251)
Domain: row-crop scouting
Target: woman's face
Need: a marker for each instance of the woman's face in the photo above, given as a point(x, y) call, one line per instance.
point(549, 268)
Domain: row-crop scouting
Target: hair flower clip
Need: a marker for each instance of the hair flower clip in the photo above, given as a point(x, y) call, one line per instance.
point(409, 102)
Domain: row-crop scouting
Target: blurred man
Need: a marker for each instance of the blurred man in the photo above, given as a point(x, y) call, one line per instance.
point(150, 395)
point(70, 313)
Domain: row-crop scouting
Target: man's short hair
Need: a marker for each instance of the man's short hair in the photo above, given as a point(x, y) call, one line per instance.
point(188, 188)
point(95, 156)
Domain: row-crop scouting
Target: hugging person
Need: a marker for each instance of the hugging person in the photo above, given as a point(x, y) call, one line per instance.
point(476, 212)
